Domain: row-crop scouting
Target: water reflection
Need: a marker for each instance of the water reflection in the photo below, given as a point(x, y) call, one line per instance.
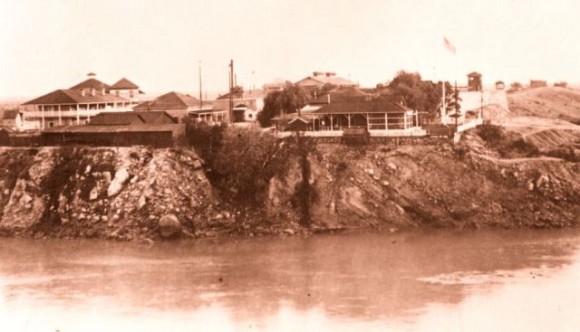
point(342, 281)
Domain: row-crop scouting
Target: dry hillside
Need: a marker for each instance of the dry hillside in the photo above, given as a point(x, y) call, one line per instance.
point(547, 117)
point(548, 102)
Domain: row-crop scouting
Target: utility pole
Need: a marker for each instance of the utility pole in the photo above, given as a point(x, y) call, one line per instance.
point(443, 106)
point(456, 106)
point(200, 95)
point(231, 108)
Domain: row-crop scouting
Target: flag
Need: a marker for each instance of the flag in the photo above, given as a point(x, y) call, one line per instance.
point(448, 45)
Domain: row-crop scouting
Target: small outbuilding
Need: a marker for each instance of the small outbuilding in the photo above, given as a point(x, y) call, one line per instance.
point(474, 82)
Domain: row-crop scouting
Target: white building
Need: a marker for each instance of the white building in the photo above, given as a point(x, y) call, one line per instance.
point(76, 105)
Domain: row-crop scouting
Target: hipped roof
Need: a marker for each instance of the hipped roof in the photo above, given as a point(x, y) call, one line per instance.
point(131, 118)
point(353, 106)
point(115, 129)
point(124, 84)
point(169, 101)
point(91, 83)
point(64, 97)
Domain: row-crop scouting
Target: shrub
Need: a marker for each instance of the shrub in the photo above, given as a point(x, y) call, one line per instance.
point(519, 147)
point(204, 137)
point(245, 162)
point(491, 134)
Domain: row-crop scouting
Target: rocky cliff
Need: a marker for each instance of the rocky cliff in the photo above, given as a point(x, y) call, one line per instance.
point(115, 193)
point(138, 193)
point(435, 185)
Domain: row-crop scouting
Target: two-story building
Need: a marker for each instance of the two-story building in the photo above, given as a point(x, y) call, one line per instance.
point(77, 104)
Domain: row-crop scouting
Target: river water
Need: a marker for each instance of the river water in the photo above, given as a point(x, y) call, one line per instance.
point(436, 281)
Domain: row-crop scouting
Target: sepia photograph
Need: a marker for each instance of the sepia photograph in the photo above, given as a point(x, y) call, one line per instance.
point(277, 165)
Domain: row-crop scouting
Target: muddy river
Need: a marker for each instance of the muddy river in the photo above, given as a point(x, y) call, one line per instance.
point(442, 281)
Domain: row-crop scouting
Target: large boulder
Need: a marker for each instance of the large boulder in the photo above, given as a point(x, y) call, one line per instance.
point(169, 226)
point(116, 185)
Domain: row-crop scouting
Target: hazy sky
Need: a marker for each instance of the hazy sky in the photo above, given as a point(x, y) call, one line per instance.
point(51, 44)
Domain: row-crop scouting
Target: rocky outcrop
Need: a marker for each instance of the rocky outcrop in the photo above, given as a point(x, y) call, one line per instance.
point(433, 185)
point(142, 194)
point(115, 193)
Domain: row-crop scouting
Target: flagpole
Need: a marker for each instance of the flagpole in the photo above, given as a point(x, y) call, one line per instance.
point(443, 108)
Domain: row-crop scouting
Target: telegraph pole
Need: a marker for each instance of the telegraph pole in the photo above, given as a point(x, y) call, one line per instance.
point(200, 95)
point(231, 108)
point(456, 106)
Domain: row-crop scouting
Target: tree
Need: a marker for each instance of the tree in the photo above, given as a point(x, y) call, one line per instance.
point(287, 101)
point(245, 162)
point(412, 91)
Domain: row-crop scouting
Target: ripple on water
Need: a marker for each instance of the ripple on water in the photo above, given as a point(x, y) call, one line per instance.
point(493, 277)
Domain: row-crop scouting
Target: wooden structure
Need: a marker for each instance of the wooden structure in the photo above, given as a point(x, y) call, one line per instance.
point(538, 83)
point(474, 82)
point(379, 116)
point(102, 135)
point(79, 103)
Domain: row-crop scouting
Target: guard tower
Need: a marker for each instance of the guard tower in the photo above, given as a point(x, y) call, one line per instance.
point(474, 81)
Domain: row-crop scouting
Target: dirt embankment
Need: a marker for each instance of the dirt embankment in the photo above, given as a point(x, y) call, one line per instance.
point(547, 117)
point(547, 102)
point(436, 186)
point(140, 193)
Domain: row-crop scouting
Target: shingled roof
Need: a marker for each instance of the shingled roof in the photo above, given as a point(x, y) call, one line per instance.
point(91, 83)
point(169, 101)
point(124, 84)
point(74, 97)
point(352, 106)
point(328, 79)
point(131, 118)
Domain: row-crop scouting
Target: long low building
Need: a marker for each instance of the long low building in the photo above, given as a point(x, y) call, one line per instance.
point(166, 135)
point(378, 115)
point(156, 129)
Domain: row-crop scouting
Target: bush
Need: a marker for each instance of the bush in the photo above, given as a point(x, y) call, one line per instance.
point(491, 134)
point(245, 162)
point(508, 145)
point(205, 138)
point(520, 148)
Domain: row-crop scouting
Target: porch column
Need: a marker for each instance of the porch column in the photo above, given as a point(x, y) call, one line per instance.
point(331, 123)
point(405, 120)
point(59, 116)
point(368, 125)
point(77, 106)
point(42, 114)
point(348, 116)
point(386, 122)
point(416, 119)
